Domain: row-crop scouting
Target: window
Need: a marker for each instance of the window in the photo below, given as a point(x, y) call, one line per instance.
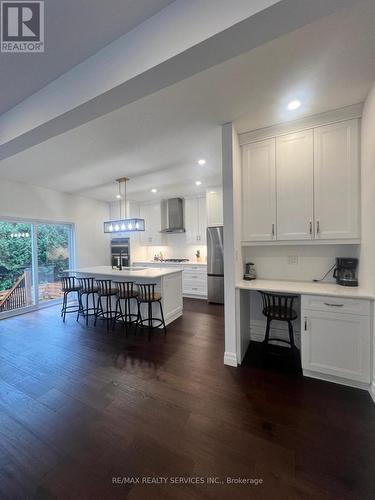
point(32, 257)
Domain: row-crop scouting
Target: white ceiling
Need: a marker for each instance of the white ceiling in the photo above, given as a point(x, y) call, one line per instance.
point(75, 29)
point(157, 140)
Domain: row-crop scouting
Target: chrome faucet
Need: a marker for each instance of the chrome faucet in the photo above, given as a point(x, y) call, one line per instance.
point(120, 262)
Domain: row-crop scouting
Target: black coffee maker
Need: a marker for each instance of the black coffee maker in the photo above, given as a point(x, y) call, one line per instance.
point(346, 271)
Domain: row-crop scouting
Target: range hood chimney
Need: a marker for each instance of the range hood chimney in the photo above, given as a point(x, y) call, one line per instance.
point(172, 216)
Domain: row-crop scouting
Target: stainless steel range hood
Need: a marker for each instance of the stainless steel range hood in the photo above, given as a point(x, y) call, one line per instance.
point(172, 216)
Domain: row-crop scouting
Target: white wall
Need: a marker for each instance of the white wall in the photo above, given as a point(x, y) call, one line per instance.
point(232, 225)
point(312, 261)
point(367, 254)
point(32, 202)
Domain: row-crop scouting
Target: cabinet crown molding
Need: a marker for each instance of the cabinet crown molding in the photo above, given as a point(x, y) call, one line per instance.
point(318, 120)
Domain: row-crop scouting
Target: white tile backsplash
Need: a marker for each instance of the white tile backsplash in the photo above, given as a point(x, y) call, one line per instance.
point(293, 262)
point(176, 248)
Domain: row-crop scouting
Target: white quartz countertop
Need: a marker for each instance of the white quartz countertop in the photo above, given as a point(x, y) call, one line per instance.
point(150, 272)
point(306, 288)
point(175, 264)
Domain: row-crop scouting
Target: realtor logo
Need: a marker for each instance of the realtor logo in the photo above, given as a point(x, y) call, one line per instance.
point(22, 26)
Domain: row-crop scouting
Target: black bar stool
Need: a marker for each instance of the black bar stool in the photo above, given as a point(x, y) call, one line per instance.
point(69, 285)
point(88, 288)
point(147, 295)
point(280, 308)
point(125, 292)
point(105, 291)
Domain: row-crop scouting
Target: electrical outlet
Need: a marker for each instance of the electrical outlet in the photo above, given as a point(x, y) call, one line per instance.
point(292, 260)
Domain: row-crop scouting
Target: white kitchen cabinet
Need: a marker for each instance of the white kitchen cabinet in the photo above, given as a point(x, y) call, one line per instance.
point(152, 215)
point(194, 281)
point(214, 199)
point(202, 220)
point(336, 180)
point(195, 221)
point(336, 343)
point(259, 191)
point(303, 185)
point(294, 180)
point(194, 277)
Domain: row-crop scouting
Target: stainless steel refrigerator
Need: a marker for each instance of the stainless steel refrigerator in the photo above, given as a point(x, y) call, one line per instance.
point(215, 265)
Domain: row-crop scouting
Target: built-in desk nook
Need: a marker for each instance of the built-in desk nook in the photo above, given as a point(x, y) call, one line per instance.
point(333, 328)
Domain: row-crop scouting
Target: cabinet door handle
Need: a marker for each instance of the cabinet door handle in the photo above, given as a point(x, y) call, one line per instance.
point(333, 305)
point(317, 227)
point(305, 323)
point(273, 230)
point(310, 227)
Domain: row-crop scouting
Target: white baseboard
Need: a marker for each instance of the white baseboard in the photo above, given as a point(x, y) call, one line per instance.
point(173, 315)
point(338, 380)
point(230, 359)
point(372, 391)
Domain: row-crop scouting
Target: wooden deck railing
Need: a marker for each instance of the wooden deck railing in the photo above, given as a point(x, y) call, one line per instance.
point(19, 295)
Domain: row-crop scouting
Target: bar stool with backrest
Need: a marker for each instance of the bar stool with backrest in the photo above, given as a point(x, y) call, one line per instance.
point(105, 293)
point(279, 307)
point(147, 295)
point(126, 292)
point(88, 288)
point(69, 285)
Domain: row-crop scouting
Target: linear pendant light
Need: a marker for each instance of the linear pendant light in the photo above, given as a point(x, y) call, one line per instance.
point(123, 224)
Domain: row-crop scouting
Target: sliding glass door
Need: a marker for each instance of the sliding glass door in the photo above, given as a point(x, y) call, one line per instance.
point(54, 257)
point(33, 255)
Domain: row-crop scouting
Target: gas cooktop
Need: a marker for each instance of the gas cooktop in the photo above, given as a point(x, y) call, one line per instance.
point(174, 260)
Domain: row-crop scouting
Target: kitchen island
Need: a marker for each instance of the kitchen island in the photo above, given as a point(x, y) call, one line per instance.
point(168, 282)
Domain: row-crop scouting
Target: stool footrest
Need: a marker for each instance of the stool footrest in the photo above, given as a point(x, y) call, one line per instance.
point(144, 323)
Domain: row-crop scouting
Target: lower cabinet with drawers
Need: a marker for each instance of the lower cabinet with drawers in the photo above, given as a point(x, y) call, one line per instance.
point(194, 281)
point(194, 277)
point(336, 339)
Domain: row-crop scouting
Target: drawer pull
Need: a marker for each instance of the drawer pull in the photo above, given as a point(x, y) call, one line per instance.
point(333, 305)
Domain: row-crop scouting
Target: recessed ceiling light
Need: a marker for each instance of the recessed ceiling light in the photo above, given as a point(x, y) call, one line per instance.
point(198, 183)
point(295, 104)
point(201, 161)
point(118, 196)
point(154, 190)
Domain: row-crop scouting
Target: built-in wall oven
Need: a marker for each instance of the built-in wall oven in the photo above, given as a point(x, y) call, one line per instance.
point(120, 252)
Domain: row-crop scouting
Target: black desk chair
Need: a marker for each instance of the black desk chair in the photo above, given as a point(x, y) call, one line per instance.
point(279, 307)
point(88, 288)
point(147, 295)
point(69, 285)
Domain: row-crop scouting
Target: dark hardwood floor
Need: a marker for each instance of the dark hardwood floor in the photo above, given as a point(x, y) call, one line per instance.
point(80, 406)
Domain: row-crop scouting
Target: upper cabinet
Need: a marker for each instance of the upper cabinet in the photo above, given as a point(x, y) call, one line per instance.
point(336, 180)
point(259, 191)
point(151, 213)
point(294, 181)
point(195, 220)
point(214, 203)
point(302, 186)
